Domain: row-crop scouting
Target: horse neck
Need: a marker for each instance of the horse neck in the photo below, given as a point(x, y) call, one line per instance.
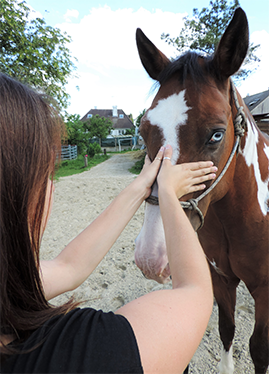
point(251, 177)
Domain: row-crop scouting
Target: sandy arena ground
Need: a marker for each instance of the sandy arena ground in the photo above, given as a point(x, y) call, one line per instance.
point(78, 200)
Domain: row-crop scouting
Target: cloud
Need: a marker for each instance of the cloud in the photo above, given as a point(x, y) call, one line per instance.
point(71, 14)
point(109, 68)
point(107, 38)
point(258, 81)
point(104, 44)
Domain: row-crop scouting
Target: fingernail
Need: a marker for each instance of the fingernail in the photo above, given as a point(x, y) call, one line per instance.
point(162, 148)
point(215, 168)
point(167, 146)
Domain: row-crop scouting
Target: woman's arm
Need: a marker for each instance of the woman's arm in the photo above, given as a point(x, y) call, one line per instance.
point(169, 324)
point(81, 256)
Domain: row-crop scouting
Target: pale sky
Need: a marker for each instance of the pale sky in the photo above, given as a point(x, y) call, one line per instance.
point(109, 71)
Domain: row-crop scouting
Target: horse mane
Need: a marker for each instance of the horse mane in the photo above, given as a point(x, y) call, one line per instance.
point(188, 66)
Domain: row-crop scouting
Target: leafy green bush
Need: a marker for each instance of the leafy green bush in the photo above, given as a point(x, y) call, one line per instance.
point(93, 149)
point(76, 133)
point(138, 166)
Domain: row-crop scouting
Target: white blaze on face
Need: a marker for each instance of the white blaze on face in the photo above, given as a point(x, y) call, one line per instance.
point(150, 252)
point(250, 153)
point(168, 115)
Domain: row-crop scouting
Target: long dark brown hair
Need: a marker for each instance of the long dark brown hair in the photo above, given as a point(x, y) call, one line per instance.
point(30, 143)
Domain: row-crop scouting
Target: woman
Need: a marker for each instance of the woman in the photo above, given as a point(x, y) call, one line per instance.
point(157, 333)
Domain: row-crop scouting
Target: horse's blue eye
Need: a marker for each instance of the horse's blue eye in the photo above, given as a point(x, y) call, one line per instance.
point(216, 137)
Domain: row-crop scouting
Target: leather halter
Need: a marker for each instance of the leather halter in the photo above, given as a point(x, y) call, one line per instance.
point(240, 125)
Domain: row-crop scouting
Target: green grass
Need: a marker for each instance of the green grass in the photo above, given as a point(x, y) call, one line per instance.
point(71, 167)
point(77, 166)
point(137, 166)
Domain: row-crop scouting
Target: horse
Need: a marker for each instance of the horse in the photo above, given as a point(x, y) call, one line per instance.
point(198, 111)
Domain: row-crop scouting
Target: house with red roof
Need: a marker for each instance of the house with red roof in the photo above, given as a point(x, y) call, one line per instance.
point(121, 122)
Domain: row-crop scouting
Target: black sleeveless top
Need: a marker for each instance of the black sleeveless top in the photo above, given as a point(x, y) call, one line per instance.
point(82, 341)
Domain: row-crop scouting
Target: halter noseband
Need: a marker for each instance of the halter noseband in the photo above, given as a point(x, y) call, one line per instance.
point(240, 124)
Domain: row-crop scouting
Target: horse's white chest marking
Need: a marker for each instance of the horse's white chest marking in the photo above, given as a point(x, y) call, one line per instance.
point(250, 153)
point(168, 115)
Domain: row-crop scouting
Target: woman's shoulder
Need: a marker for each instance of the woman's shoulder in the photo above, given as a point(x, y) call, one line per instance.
point(83, 340)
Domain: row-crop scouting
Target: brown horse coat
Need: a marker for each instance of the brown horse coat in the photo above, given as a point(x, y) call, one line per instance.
point(194, 111)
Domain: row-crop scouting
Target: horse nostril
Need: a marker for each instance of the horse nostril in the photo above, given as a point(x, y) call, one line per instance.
point(144, 275)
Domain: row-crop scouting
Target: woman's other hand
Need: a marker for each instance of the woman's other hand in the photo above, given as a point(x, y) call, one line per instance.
point(149, 172)
point(184, 178)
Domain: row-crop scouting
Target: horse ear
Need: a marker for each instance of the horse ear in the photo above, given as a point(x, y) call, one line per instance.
point(153, 60)
point(233, 46)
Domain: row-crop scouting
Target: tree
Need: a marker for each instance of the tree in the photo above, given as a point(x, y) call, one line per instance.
point(98, 127)
point(76, 132)
point(203, 31)
point(130, 131)
point(131, 117)
point(33, 52)
point(93, 149)
point(138, 120)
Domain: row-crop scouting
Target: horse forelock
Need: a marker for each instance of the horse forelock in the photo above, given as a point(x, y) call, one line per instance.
point(190, 65)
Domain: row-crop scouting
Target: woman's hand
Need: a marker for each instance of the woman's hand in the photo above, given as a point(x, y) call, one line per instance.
point(184, 178)
point(149, 172)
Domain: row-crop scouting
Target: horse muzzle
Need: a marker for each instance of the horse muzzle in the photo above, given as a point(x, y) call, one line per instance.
point(150, 250)
point(161, 277)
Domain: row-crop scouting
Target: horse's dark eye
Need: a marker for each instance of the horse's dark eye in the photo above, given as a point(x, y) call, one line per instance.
point(216, 137)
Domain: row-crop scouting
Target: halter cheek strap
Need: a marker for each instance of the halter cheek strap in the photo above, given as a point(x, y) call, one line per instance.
point(240, 125)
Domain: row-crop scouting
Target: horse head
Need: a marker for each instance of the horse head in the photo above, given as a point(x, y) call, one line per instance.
point(193, 111)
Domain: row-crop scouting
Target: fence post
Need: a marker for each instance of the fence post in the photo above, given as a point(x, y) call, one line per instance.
point(85, 161)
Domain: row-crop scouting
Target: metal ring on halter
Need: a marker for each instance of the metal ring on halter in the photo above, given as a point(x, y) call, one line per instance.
point(167, 158)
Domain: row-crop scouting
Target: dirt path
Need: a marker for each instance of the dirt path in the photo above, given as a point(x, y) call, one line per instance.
point(78, 201)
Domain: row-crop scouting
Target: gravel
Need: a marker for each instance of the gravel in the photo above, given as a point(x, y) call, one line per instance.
point(78, 200)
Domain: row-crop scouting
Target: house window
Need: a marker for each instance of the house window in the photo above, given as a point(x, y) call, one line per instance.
point(89, 115)
point(121, 116)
